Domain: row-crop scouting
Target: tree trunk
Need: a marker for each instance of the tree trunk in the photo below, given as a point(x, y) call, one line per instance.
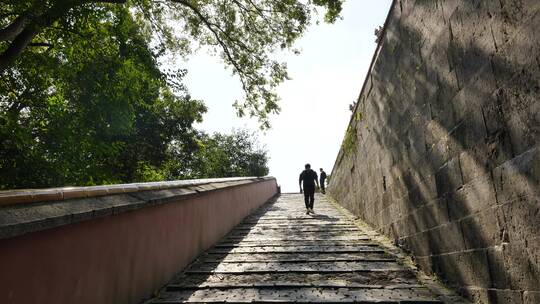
point(16, 47)
point(11, 31)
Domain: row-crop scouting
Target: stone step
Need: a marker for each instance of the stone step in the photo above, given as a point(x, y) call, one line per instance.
point(311, 256)
point(308, 267)
point(299, 295)
point(359, 278)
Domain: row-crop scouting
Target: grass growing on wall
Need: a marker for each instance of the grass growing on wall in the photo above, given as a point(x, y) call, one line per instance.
point(349, 143)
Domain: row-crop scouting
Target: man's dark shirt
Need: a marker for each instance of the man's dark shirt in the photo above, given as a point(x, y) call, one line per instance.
point(323, 176)
point(308, 177)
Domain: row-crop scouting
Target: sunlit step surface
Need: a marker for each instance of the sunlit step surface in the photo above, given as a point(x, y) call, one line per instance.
point(279, 254)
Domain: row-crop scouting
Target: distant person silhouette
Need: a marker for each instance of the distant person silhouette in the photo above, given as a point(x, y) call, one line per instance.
point(323, 179)
point(308, 178)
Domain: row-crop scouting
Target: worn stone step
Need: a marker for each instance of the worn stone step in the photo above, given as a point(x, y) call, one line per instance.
point(277, 244)
point(299, 228)
point(290, 239)
point(294, 234)
point(325, 256)
point(303, 219)
point(303, 224)
point(287, 284)
point(236, 261)
point(365, 278)
point(299, 295)
point(285, 241)
point(297, 249)
point(317, 267)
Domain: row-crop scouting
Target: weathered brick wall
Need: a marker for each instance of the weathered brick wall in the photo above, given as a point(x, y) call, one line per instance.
point(443, 150)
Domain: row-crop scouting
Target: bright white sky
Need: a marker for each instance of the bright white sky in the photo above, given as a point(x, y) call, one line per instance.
point(326, 77)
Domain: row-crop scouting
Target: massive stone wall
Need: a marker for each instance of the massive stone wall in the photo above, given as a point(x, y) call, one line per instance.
point(443, 149)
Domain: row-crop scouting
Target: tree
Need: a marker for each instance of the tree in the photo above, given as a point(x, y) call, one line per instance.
point(221, 155)
point(244, 32)
point(96, 110)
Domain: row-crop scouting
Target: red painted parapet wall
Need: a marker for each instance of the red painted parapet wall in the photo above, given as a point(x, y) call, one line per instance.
point(116, 248)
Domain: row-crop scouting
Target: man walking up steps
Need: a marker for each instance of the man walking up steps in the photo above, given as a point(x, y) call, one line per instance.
point(308, 178)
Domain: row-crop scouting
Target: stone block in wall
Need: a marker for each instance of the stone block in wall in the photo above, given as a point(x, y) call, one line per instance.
point(469, 268)
point(433, 133)
point(446, 238)
point(482, 229)
point(389, 231)
point(384, 218)
point(521, 47)
point(428, 186)
point(425, 263)
point(506, 37)
point(442, 151)
point(465, 57)
point(475, 294)
point(412, 226)
point(448, 7)
point(438, 154)
point(521, 264)
point(467, 105)
point(423, 182)
point(419, 94)
point(518, 177)
point(522, 255)
point(470, 133)
point(376, 206)
point(500, 296)
point(410, 43)
point(369, 214)
point(531, 297)
point(418, 244)
point(496, 147)
point(386, 197)
point(522, 219)
point(394, 211)
point(521, 109)
point(417, 144)
point(500, 277)
point(514, 26)
point(431, 215)
point(385, 67)
point(474, 196)
point(482, 37)
point(437, 59)
point(448, 178)
point(407, 225)
point(402, 228)
point(398, 188)
point(416, 199)
point(441, 104)
point(394, 233)
point(492, 296)
point(427, 20)
point(473, 165)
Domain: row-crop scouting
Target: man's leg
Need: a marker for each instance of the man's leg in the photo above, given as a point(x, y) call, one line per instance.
point(311, 200)
point(323, 190)
point(308, 194)
point(306, 198)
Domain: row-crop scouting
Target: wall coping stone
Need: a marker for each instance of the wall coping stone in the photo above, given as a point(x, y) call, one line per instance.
point(19, 196)
point(32, 210)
